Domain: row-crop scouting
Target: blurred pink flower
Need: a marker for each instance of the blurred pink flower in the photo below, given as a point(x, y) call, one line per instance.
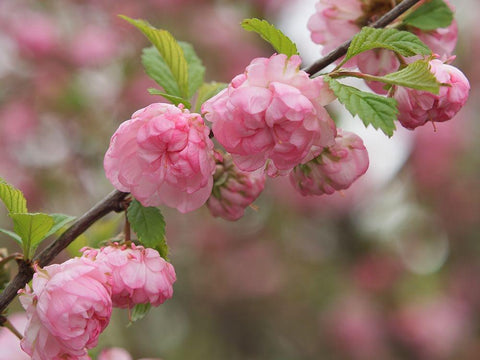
point(441, 41)
point(9, 343)
point(68, 305)
point(114, 353)
point(334, 22)
point(139, 275)
point(39, 38)
point(356, 328)
point(273, 113)
point(163, 155)
point(417, 107)
point(233, 189)
point(433, 330)
point(94, 45)
point(378, 62)
point(17, 120)
point(336, 168)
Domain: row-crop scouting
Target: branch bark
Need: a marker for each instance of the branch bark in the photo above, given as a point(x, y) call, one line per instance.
point(342, 49)
point(115, 200)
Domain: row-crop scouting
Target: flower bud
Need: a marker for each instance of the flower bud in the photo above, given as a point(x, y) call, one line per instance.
point(417, 107)
point(233, 189)
point(336, 168)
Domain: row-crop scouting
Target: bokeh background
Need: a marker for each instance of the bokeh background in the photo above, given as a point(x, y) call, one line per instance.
point(389, 269)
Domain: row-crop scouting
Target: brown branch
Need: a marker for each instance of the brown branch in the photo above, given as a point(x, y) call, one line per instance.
point(115, 200)
point(342, 49)
point(112, 202)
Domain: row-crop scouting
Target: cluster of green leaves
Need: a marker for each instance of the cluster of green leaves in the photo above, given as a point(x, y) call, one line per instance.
point(30, 229)
point(431, 15)
point(174, 66)
point(381, 111)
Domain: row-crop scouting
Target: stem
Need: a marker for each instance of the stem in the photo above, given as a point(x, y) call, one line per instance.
point(342, 49)
point(6, 323)
point(360, 75)
point(11, 257)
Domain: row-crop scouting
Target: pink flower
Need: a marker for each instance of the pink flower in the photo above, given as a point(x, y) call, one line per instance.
point(233, 189)
point(417, 107)
point(441, 41)
point(68, 306)
point(273, 112)
point(9, 343)
point(114, 354)
point(334, 22)
point(139, 275)
point(378, 62)
point(336, 168)
point(163, 155)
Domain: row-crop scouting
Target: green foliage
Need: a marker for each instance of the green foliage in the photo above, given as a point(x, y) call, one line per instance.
point(149, 225)
point(280, 42)
point(431, 15)
point(379, 111)
point(173, 99)
point(170, 51)
point(12, 198)
point(207, 91)
point(415, 76)
point(139, 312)
point(402, 42)
point(32, 229)
point(196, 70)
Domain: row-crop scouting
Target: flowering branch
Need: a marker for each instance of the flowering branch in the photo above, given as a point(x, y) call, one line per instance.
point(342, 49)
point(112, 202)
point(115, 201)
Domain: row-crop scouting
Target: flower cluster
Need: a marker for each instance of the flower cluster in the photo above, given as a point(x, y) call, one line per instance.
point(68, 305)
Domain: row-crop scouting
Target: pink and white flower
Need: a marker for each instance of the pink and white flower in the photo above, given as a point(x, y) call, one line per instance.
point(417, 107)
point(272, 113)
point(139, 275)
point(233, 189)
point(336, 168)
point(163, 155)
point(68, 305)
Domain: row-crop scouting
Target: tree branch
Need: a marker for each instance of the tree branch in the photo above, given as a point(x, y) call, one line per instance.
point(342, 49)
point(112, 202)
point(115, 200)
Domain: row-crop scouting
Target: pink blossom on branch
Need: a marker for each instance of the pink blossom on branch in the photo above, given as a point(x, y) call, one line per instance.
point(417, 107)
point(336, 168)
point(233, 189)
point(163, 155)
point(68, 305)
point(139, 275)
point(273, 113)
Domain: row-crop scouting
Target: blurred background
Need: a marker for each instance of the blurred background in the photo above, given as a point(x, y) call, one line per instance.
point(387, 270)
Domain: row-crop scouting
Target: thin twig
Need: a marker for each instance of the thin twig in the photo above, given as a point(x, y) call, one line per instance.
point(342, 49)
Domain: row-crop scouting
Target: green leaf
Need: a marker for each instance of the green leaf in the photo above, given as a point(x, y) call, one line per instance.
point(59, 221)
point(431, 15)
point(196, 70)
point(149, 225)
point(12, 198)
point(280, 42)
point(13, 235)
point(139, 312)
point(415, 76)
point(207, 91)
point(173, 99)
point(32, 228)
point(158, 70)
point(169, 49)
point(379, 111)
point(402, 42)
